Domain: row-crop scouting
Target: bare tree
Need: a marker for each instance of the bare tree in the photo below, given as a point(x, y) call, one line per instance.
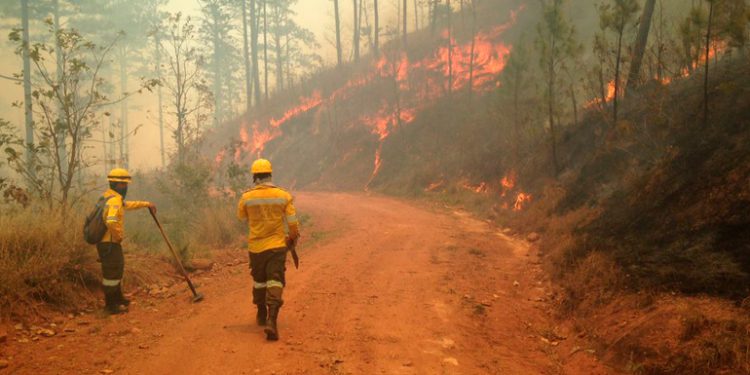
point(183, 80)
point(68, 103)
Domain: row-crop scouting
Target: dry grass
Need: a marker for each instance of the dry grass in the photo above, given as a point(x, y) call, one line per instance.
point(45, 263)
point(42, 259)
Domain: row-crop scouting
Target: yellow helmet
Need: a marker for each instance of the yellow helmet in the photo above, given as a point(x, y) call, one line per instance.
point(118, 175)
point(261, 166)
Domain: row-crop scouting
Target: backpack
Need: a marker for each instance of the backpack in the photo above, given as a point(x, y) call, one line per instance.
point(94, 227)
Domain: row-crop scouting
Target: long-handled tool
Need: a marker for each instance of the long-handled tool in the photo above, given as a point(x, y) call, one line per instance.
point(197, 297)
point(295, 257)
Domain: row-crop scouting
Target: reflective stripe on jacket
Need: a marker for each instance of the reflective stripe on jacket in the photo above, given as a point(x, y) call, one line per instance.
point(271, 217)
point(114, 215)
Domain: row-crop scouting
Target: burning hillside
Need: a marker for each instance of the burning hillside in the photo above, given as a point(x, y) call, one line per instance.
point(390, 94)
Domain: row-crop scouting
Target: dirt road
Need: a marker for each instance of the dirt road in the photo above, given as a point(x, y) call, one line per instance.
point(385, 287)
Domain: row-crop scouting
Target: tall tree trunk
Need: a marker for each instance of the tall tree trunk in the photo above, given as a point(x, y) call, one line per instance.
point(265, 48)
point(416, 16)
point(640, 46)
point(574, 103)
point(377, 28)
point(218, 94)
point(338, 31)
point(473, 46)
point(288, 60)
point(551, 107)
point(277, 46)
point(124, 141)
point(433, 22)
point(450, 48)
point(660, 44)
point(28, 115)
point(618, 64)
point(355, 38)
point(405, 23)
point(157, 40)
point(61, 143)
point(461, 10)
point(246, 58)
point(516, 123)
point(254, 23)
point(708, 60)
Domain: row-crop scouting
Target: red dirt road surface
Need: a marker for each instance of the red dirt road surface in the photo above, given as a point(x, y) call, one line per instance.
point(384, 287)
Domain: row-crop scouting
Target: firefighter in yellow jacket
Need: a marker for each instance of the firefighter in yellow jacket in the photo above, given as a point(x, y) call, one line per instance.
point(110, 247)
point(273, 229)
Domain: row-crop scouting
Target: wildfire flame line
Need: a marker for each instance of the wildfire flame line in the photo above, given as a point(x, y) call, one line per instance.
point(489, 60)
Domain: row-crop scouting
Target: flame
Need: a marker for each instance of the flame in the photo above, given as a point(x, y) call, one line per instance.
point(434, 186)
point(220, 157)
point(305, 105)
point(507, 183)
point(260, 138)
point(481, 188)
point(417, 83)
point(386, 120)
point(378, 163)
point(521, 199)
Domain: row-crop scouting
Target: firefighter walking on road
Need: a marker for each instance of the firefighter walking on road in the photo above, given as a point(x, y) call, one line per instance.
point(273, 229)
point(110, 247)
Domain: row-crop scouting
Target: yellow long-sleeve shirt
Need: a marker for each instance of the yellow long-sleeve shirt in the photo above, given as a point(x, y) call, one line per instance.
point(271, 217)
point(114, 215)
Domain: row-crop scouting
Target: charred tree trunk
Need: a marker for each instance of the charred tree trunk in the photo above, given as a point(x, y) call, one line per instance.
point(640, 46)
point(338, 31)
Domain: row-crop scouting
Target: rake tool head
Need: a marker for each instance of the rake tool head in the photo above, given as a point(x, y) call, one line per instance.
point(197, 298)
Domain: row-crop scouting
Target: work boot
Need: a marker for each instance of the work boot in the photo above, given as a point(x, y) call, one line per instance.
point(112, 304)
point(121, 297)
point(272, 332)
point(260, 318)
